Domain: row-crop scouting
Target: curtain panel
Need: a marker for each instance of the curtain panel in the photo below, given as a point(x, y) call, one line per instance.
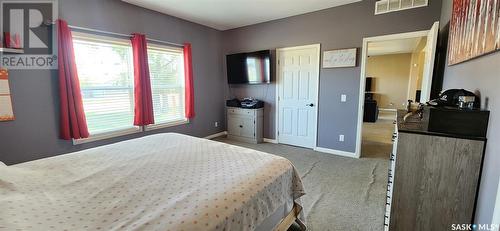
point(188, 75)
point(73, 124)
point(143, 111)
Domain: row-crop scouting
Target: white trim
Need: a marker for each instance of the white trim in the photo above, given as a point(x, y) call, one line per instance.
point(213, 136)
point(316, 101)
point(496, 211)
point(166, 48)
point(95, 38)
point(108, 135)
point(388, 109)
point(364, 56)
point(336, 152)
point(430, 56)
point(166, 125)
point(272, 141)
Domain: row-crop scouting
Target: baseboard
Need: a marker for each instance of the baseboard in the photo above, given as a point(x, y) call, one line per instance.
point(336, 152)
point(216, 135)
point(273, 141)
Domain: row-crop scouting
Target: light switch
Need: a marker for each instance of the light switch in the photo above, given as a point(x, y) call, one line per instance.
point(341, 138)
point(343, 98)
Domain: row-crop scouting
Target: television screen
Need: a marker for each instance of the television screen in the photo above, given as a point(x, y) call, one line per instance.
point(249, 68)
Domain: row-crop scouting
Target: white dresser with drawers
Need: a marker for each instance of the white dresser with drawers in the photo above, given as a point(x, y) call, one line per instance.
point(245, 125)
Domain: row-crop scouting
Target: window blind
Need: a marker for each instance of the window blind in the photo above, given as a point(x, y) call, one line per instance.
point(105, 70)
point(166, 68)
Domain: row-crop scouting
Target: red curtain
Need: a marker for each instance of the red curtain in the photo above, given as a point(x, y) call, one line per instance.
point(73, 121)
point(143, 111)
point(188, 74)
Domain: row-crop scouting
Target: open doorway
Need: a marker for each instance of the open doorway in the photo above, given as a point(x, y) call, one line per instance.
point(395, 69)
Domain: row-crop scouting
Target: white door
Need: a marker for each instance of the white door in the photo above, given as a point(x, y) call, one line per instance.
point(298, 78)
point(430, 54)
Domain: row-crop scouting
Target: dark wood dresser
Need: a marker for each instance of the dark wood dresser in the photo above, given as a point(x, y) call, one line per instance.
point(433, 178)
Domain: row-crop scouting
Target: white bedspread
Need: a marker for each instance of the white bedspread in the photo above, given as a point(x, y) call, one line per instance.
point(160, 182)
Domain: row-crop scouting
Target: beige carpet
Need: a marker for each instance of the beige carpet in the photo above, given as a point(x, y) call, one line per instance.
point(377, 137)
point(342, 193)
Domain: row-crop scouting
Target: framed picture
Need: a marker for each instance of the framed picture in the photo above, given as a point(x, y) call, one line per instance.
point(474, 30)
point(6, 112)
point(340, 58)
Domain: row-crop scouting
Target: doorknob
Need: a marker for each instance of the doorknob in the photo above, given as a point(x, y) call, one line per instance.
point(310, 105)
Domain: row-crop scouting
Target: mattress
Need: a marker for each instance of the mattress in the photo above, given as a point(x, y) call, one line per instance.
point(160, 182)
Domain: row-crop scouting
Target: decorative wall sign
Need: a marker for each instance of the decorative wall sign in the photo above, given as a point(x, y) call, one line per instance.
point(340, 58)
point(474, 29)
point(6, 112)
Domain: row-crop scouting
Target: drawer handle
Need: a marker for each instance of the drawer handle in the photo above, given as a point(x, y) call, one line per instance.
point(241, 126)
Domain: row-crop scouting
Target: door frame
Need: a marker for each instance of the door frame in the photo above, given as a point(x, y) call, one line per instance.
point(362, 82)
point(278, 83)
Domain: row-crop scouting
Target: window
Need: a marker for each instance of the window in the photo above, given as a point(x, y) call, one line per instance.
point(166, 68)
point(106, 73)
point(105, 69)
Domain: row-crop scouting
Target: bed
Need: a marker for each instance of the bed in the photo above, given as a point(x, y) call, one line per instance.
point(160, 182)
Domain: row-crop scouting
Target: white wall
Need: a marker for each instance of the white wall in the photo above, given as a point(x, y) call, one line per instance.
point(496, 213)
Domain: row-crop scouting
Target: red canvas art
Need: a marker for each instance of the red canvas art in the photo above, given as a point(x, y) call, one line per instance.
point(474, 29)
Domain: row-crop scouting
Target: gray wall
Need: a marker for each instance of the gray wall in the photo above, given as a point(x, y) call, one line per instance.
point(34, 134)
point(339, 27)
point(482, 75)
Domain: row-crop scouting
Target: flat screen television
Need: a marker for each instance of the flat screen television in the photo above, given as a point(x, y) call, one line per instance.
point(249, 68)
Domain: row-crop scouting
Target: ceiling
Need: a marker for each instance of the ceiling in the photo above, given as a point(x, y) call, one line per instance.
point(229, 14)
point(399, 46)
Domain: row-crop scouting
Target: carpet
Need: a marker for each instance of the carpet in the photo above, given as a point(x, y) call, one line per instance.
point(342, 193)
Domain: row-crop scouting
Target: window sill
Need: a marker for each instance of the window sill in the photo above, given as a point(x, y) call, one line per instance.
point(108, 135)
point(166, 125)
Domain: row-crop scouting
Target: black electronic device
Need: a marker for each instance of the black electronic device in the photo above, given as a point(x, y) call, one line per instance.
point(251, 103)
point(450, 97)
point(233, 103)
point(249, 68)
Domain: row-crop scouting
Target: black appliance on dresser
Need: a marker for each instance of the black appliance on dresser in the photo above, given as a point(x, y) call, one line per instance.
point(248, 103)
